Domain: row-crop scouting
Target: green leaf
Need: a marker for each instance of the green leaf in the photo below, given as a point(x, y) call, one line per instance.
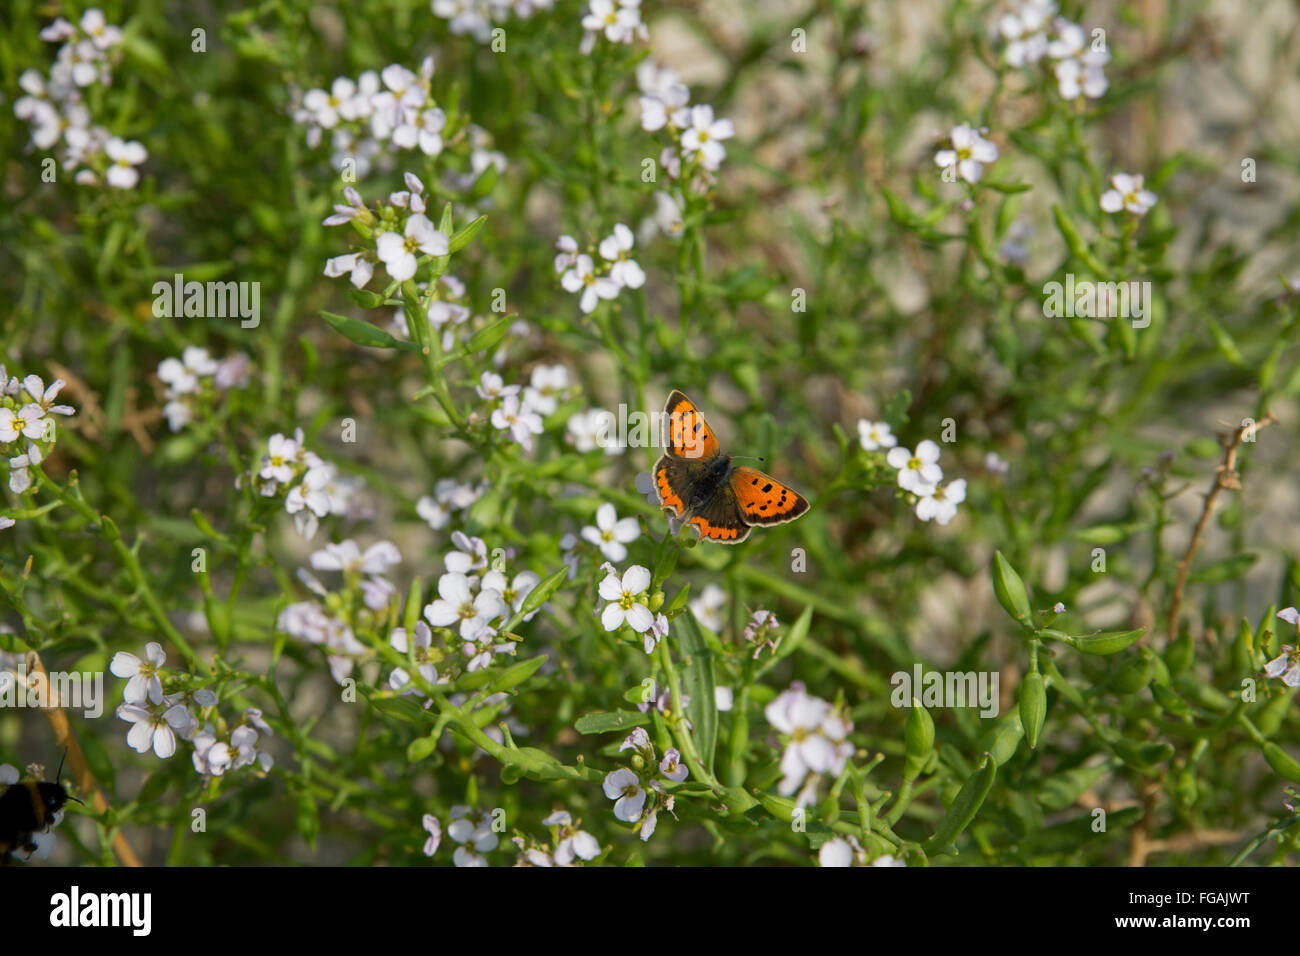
point(1225, 344)
point(462, 239)
point(1145, 758)
point(604, 723)
point(1062, 789)
point(490, 335)
point(542, 593)
point(898, 209)
point(1008, 188)
point(698, 684)
point(512, 676)
point(308, 818)
point(796, 635)
point(1076, 242)
point(1106, 534)
point(401, 708)
point(1225, 570)
point(363, 333)
point(365, 298)
point(642, 693)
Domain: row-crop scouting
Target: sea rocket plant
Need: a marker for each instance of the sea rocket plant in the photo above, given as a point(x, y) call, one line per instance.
point(480, 640)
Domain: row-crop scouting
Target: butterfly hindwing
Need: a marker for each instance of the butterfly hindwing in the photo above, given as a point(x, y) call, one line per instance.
point(761, 499)
point(721, 519)
point(688, 434)
point(673, 477)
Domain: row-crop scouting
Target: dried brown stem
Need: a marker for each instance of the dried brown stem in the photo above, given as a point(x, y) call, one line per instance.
point(1225, 478)
point(76, 760)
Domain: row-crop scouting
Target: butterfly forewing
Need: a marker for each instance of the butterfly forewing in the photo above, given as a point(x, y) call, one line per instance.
point(688, 434)
point(764, 500)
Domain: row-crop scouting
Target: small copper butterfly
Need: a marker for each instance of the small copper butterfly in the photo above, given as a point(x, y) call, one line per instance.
point(703, 488)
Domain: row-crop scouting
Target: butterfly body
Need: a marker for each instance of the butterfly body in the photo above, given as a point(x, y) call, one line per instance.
point(704, 488)
point(708, 483)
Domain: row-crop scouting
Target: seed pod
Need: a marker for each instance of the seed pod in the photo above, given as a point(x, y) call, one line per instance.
point(1133, 675)
point(1033, 706)
point(1274, 711)
point(1281, 761)
point(1179, 654)
point(1169, 699)
point(1010, 591)
point(1107, 642)
point(965, 805)
point(918, 736)
point(1243, 651)
point(1002, 739)
point(1185, 786)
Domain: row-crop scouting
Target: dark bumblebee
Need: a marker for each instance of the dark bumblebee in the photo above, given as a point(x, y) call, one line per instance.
point(27, 808)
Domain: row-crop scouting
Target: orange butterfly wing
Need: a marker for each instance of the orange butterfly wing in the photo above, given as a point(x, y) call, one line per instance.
point(671, 482)
point(687, 434)
point(732, 532)
point(763, 499)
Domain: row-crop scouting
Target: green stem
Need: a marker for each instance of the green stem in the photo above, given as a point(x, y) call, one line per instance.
point(110, 533)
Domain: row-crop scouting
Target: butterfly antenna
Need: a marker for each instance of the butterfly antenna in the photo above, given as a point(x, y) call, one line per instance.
point(747, 458)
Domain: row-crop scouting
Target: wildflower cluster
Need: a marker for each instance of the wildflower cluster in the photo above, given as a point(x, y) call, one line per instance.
point(631, 603)
point(57, 105)
point(28, 426)
point(618, 21)
point(693, 151)
point(630, 787)
point(965, 153)
point(571, 844)
point(483, 642)
point(595, 280)
point(381, 114)
point(313, 488)
point(397, 233)
point(192, 382)
point(189, 712)
point(816, 741)
point(450, 500)
point(918, 473)
point(361, 602)
point(591, 429)
point(475, 17)
point(1032, 33)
